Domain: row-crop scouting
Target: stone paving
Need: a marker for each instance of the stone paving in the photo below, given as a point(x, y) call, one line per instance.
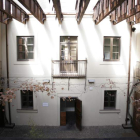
point(67, 132)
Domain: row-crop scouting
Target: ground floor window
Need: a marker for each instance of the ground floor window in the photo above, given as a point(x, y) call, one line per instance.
point(110, 99)
point(26, 99)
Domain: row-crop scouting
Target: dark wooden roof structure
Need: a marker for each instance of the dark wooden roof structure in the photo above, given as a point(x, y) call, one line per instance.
point(34, 7)
point(9, 9)
point(118, 10)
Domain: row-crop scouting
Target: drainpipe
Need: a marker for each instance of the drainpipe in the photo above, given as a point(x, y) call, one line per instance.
point(126, 126)
point(10, 125)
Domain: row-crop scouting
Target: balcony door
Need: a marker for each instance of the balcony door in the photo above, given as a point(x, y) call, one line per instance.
point(68, 54)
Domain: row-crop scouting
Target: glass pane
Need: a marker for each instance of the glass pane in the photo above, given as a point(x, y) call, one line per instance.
point(21, 55)
point(30, 47)
point(30, 98)
point(116, 41)
point(115, 48)
point(30, 93)
point(73, 58)
point(30, 40)
point(30, 104)
point(105, 104)
point(24, 98)
point(107, 52)
point(115, 55)
point(21, 41)
point(73, 53)
point(64, 52)
point(21, 48)
point(106, 98)
point(64, 39)
point(112, 104)
point(107, 42)
point(30, 56)
point(73, 39)
point(24, 104)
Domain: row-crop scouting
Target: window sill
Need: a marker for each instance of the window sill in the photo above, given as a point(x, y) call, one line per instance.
point(26, 111)
point(110, 111)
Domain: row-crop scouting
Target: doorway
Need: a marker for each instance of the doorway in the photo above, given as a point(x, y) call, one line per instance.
point(71, 113)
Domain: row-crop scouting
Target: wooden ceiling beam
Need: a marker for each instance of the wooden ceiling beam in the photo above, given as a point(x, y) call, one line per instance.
point(103, 8)
point(57, 7)
point(128, 11)
point(34, 7)
point(81, 6)
point(9, 9)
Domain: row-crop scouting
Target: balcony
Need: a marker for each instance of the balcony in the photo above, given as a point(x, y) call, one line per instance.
point(69, 69)
point(138, 69)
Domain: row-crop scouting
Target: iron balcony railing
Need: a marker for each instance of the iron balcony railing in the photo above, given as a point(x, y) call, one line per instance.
point(138, 69)
point(70, 68)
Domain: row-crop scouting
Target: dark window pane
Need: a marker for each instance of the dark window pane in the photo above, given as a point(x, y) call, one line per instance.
point(21, 55)
point(105, 104)
point(30, 98)
point(27, 99)
point(30, 104)
point(30, 56)
point(109, 99)
point(30, 41)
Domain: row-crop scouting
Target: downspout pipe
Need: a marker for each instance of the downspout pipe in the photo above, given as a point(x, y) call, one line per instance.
point(10, 125)
point(126, 126)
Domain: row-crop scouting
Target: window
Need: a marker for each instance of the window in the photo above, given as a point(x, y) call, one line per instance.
point(25, 48)
point(111, 48)
point(68, 54)
point(26, 99)
point(110, 99)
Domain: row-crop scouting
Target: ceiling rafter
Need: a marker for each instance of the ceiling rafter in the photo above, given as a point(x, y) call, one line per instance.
point(9, 9)
point(57, 6)
point(129, 10)
point(81, 6)
point(103, 8)
point(34, 7)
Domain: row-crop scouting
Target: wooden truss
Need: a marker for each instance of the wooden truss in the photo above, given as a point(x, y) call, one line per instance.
point(103, 8)
point(127, 10)
point(34, 7)
point(81, 6)
point(9, 9)
point(57, 6)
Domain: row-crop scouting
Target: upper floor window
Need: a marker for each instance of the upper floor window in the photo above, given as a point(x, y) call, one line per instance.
point(111, 48)
point(25, 48)
point(26, 99)
point(110, 99)
point(68, 54)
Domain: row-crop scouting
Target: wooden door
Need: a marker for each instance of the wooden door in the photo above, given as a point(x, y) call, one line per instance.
point(79, 114)
point(136, 115)
point(62, 118)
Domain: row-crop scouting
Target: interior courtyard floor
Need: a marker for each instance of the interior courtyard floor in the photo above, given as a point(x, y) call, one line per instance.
point(67, 132)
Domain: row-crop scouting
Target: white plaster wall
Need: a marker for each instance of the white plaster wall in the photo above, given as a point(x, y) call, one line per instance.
point(90, 46)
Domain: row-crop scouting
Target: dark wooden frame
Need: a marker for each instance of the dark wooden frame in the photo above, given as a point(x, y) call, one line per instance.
point(27, 108)
point(18, 49)
point(112, 46)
